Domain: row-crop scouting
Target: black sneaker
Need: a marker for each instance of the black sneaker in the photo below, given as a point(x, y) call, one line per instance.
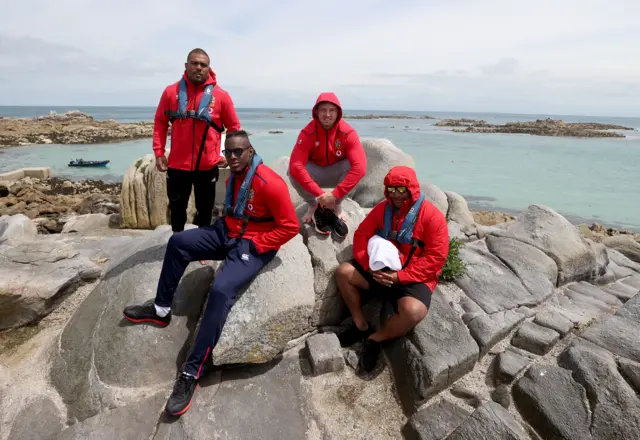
point(352, 335)
point(320, 221)
point(370, 353)
point(180, 399)
point(145, 313)
point(338, 227)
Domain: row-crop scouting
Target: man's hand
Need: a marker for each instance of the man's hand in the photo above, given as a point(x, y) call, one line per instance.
point(223, 163)
point(385, 278)
point(161, 163)
point(327, 200)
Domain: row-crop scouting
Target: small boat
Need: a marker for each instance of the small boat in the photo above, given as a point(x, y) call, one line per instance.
point(88, 163)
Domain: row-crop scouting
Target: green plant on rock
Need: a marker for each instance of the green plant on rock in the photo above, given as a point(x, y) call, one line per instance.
point(454, 266)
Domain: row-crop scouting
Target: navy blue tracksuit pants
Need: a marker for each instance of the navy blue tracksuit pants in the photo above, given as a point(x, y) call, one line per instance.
point(241, 264)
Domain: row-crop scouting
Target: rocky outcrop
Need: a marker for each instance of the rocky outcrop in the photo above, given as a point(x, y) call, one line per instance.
point(393, 116)
point(624, 244)
point(73, 127)
point(16, 229)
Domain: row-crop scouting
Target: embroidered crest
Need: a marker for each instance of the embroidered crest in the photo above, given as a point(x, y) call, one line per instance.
point(251, 194)
point(338, 143)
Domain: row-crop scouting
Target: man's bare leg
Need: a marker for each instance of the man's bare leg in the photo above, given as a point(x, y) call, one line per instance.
point(349, 281)
point(410, 312)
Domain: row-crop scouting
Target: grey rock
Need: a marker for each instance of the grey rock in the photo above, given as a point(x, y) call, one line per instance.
point(40, 420)
point(618, 335)
point(615, 407)
point(587, 289)
point(281, 167)
point(631, 310)
point(325, 353)
point(554, 320)
point(622, 261)
point(633, 281)
point(463, 392)
point(502, 396)
point(351, 357)
point(16, 229)
point(581, 310)
point(274, 309)
point(459, 212)
point(536, 270)
point(550, 400)
point(432, 356)
point(455, 231)
point(544, 228)
point(490, 422)
point(327, 254)
point(622, 291)
point(602, 258)
point(489, 282)
point(130, 422)
point(88, 224)
point(509, 365)
point(382, 155)
point(624, 244)
point(630, 370)
point(436, 196)
point(488, 330)
point(595, 302)
point(534, 338)
point(35, 277)
point(526, 311)
point(436, 421)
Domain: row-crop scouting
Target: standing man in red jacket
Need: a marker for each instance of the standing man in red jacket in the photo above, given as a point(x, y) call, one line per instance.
point(419, 232)
point(199, 111)
point(259, 219)
point(328, 153)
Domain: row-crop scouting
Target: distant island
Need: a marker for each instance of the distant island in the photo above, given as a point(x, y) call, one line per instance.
point(73, 127)
point(394, 116)
point(540, 127)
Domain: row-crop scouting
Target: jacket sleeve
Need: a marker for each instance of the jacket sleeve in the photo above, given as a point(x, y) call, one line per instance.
point(298, 165)
point(287, 225)
point(358, 161)
point(436, 249)
point(365, 231)
point(228, 114)
point(161, 125)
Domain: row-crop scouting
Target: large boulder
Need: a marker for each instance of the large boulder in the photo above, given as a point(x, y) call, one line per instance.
point(624, 244)
point(459, 213)
point(274, 309)
point(436, 196)
point(35, 277)
point(326, 254)
point(382, 155)
point(88, 224)
point(281, 167)
point(16, 229)
point(544, 228)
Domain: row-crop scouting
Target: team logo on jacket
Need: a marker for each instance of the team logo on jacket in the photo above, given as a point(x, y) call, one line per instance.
point(338, 143)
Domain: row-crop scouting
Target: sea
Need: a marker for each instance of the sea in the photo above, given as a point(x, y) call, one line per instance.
point(587, 180)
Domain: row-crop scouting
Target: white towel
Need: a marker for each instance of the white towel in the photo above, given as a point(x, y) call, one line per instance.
point(382, 253)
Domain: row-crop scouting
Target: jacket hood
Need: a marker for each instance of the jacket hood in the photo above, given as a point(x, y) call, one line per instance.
point(403, 176)
point(210, 80)
point(327, 97)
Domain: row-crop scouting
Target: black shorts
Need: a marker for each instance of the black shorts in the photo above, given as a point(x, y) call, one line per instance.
point(418, 291)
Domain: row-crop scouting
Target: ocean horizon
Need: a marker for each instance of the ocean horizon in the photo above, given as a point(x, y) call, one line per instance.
point(585, 179)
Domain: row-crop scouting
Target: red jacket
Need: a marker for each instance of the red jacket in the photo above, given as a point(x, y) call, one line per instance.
point(431, 227)
point(270, 199)
point(326, 147)
point(186, 134)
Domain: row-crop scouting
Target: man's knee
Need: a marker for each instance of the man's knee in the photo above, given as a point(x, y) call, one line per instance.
point(344, 272)
point(176, 241)
point(412, 310)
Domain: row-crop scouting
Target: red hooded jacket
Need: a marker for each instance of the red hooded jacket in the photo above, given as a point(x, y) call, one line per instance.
point(431, 227)
point(270, 198)
point(186, 134)
point(326, 147)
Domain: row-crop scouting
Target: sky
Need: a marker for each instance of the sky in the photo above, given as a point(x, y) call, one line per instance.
point(544, 56)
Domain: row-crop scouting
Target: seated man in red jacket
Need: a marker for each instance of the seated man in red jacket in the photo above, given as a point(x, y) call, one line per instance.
point(198, 110)
point(328, 153)
point(259, 219)
point(418, 230)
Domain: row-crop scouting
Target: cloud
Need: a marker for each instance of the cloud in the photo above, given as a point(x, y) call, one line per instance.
point(494, 55)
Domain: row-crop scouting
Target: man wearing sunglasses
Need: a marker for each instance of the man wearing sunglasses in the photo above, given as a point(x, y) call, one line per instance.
point(418, 235)
point(258, 219)
point(327, 153)
point(198, 111)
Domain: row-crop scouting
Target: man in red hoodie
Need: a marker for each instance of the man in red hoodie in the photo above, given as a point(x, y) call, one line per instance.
point(419, 232)
point(259, 219)
point(327, 153)
point(198, 110)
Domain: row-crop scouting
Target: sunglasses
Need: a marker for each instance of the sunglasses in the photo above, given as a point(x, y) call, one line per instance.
point(236, 152)
point(393, 189)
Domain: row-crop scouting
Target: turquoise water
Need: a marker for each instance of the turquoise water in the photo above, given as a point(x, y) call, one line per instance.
point(593, 179)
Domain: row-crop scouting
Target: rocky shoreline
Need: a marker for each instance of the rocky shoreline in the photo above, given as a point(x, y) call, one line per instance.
point(73, 127)
point(540, 127)
point(393, 116)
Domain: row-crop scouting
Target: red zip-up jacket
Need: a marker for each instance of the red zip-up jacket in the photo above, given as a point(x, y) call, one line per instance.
point(270, 199)
point(186, 134)
point(431, 227)
point(326, 147)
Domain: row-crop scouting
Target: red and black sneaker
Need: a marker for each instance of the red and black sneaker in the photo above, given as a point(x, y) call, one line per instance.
point(180, 400)
point(146, 313)
point(320, 221)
